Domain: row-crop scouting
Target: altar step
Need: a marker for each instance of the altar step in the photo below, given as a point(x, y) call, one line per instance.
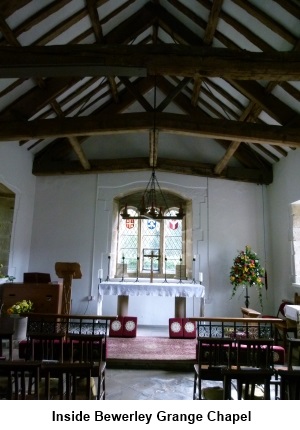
point(151, 352)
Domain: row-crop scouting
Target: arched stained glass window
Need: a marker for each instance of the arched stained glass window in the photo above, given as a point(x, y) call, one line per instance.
point(147, 244)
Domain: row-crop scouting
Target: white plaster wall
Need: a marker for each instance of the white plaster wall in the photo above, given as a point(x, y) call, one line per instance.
point(15, 173)
point(63, 231)
point(282, 192)
point(73, 219)
point(235, 219)
point(72, 222)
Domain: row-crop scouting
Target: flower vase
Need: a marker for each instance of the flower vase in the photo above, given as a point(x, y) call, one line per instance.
point(20, 327)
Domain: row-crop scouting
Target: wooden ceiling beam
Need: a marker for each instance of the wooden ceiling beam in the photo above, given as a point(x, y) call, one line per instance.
point(139, 97)
point(172, 94)
point(267, 102)
point(209, 34)
point(258, 176)
point(137, 60)
point(143, 122)
point(266, 20)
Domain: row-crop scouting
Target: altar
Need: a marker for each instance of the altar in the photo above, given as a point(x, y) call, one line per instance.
point(179, 290)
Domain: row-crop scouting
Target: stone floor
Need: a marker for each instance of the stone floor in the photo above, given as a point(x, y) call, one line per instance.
point(147, 384)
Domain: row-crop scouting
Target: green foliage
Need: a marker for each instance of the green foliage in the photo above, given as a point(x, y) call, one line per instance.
point(246, 270)
point(22, 307)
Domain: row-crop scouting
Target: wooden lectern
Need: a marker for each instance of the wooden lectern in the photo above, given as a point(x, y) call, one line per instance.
point(67, 271)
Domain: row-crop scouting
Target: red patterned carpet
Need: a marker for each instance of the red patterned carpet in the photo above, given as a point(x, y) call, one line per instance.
point(150, 351)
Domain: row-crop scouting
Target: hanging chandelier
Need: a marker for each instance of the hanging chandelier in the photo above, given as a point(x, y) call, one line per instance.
point(153, 204)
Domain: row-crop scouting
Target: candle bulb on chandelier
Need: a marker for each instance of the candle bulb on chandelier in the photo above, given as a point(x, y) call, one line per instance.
point(200, 277)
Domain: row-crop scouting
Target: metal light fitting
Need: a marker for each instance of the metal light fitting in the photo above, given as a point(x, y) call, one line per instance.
point(153, 204)
point(150, 207)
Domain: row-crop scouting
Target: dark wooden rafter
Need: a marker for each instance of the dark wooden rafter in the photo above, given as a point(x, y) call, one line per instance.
point(8, 7)
point(291, 7)
point(165, 165)
point(114, 92)
point(97, 28)
point(172, 94)
point(291, 90)
point(245, 159)
point(153, 132)
point(59, 149)
point(267, 21)
point(9, 35)
point(46, 12)
point(165, 122)
point(262, 45)
point(188, 61)
point(139, 97)
point(183, 102)
point(256, 41)
point(207, 41)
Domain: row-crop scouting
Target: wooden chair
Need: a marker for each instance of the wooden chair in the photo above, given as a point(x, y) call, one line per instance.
point(45, 347)
point(19, 380)
point(251, 384)
point(254, 367)
point(293, 352)
point(45, 343)
point(6, 333)
point(69, 377)
point(289, 384)
point(213, 355)
point(45, 337)
point(90, 348)
point(87, 339)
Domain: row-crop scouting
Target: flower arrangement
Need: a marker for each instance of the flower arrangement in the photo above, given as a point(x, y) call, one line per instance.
point(246, 270)
point(22, 307)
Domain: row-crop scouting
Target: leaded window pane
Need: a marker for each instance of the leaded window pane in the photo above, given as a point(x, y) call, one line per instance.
point(141, 237)
point(173, 243)
point(150, 242)
point(128, 241)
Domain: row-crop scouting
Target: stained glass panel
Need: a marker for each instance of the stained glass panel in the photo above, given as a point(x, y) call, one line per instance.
point(173, 243)
point(128, 241)
point(140, 237)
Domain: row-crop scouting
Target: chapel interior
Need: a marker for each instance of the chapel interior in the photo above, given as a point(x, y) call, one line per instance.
point(149, 199)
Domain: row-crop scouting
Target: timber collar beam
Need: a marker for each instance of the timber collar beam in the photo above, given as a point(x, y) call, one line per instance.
point(146, 60)
point(263, 134)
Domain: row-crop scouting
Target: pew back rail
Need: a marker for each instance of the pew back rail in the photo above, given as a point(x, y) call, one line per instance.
point(235, 328)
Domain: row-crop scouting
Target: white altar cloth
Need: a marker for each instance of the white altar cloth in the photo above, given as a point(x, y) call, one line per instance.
point(179, 290)
point(167, 289)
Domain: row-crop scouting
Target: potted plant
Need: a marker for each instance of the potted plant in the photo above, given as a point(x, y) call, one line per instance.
point(18, 311)
point(247, 271)
point(21, 307)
